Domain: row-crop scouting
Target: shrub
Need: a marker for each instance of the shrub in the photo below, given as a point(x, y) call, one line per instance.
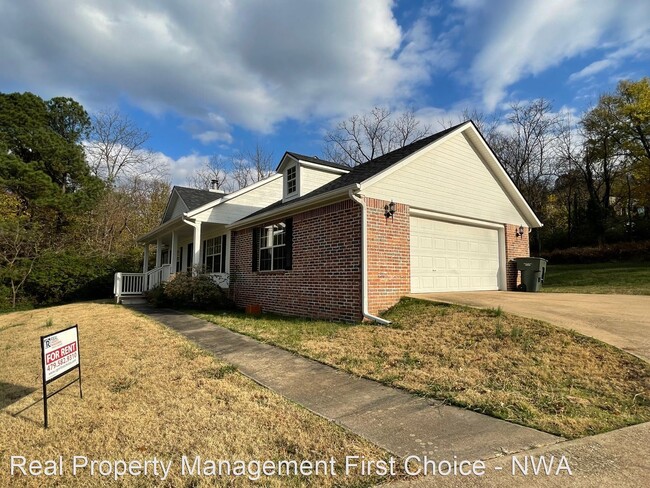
point(67, 276)
point(190, 291)
point(156, 296)
point(623, 251)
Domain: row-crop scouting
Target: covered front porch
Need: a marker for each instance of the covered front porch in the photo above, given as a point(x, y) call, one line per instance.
point(180, 245)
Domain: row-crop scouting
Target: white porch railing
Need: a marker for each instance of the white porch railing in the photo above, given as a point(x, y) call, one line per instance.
point(133, 284)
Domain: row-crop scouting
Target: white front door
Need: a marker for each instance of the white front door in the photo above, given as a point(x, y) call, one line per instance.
point(447, 256)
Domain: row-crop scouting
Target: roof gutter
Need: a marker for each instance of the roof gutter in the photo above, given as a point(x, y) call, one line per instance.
point(364, 260)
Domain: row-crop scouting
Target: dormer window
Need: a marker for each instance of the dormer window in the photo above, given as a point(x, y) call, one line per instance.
point(292, 180)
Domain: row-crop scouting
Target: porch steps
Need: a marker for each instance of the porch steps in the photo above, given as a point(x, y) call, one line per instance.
point(132, 300)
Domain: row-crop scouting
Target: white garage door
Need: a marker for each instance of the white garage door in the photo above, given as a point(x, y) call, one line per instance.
point(453, 257)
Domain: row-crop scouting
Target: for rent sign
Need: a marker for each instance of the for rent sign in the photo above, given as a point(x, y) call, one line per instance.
point(59, 355)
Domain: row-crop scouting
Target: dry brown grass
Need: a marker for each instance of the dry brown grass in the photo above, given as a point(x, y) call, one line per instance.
point(513, 368)
point(149, 392)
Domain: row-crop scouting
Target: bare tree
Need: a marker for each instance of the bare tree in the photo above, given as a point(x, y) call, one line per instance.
point(19, 250)
point(261, 162)
point(241, 175)
point(117, 148)
point(122, 214)
point(526, 148)
point(487, 125)
point(246, 168)
point(364, 137)
point(212, 175)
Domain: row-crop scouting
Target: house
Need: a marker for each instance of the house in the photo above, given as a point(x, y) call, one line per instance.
point(193, 232)
point(440, 214)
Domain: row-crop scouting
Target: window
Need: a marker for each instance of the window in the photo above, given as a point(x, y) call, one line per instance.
point(272, 247)
point(292, 180)
point(214, 254)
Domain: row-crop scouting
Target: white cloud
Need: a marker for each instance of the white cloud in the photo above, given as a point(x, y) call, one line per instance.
point(218, 64)
point(525, 38)
point(613, 59)
point(212, 135)
point(182, 168)
point(591, 69)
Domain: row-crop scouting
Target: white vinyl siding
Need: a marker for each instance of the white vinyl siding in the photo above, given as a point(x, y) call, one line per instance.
point(450, 178)
point(447, 256)
point(242, 205)
point(311, 178)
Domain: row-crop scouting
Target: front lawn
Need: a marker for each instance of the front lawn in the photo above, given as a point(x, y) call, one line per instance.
point(513, 368)
point(629, 278)
point(150, 392)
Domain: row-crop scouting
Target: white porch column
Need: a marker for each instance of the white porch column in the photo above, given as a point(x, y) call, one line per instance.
point(145, 259)
point(173, 251)
point(158, 253)
point(197, 245)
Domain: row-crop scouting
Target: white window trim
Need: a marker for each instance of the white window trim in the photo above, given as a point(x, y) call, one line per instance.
point(296, 193)
point(220, 254)
point(272, 248)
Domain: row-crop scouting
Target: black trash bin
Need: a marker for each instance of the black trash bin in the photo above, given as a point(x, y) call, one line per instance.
point(533, 271)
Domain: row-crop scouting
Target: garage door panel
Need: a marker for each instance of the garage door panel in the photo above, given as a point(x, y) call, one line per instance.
point(452, 257)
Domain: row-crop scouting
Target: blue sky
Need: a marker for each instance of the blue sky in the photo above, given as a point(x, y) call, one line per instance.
point(214, 77)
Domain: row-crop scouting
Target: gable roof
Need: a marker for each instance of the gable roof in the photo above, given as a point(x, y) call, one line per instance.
point(362, 172)
point(315, 160)
point(191, 198)
point(194, 198)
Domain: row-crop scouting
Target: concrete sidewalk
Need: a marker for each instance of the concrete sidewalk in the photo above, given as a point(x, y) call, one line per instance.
point(617, 459)
point(397, 421)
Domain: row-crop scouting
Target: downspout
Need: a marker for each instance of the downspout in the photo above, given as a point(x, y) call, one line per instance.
point(364, 261)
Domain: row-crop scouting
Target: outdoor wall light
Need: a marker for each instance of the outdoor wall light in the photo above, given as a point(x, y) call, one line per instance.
point(520, 231)
point(389, 210)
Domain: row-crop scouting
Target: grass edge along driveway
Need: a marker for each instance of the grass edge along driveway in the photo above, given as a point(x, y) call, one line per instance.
point(626, 278)
point(517, 369)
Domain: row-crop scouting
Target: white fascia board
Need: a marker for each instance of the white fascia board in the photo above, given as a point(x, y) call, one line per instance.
point(232, 195)
point(283, 162)
point(294, 207)
point(322, 167)
point(166, 227)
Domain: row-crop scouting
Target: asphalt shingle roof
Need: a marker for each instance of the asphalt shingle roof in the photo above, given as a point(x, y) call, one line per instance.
point(363, 171)
point(194, 198)
point(316, 160)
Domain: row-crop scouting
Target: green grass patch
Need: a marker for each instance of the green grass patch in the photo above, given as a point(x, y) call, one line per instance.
point(628, 278)
point(518, 369)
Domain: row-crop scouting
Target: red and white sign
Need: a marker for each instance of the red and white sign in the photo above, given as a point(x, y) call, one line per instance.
point(60, 352)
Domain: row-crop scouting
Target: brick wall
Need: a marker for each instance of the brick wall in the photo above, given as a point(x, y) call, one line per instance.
point(325, 281)
point(516, 247)
point(389, 255)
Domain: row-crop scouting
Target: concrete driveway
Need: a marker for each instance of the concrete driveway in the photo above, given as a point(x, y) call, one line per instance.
point(620, 320)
